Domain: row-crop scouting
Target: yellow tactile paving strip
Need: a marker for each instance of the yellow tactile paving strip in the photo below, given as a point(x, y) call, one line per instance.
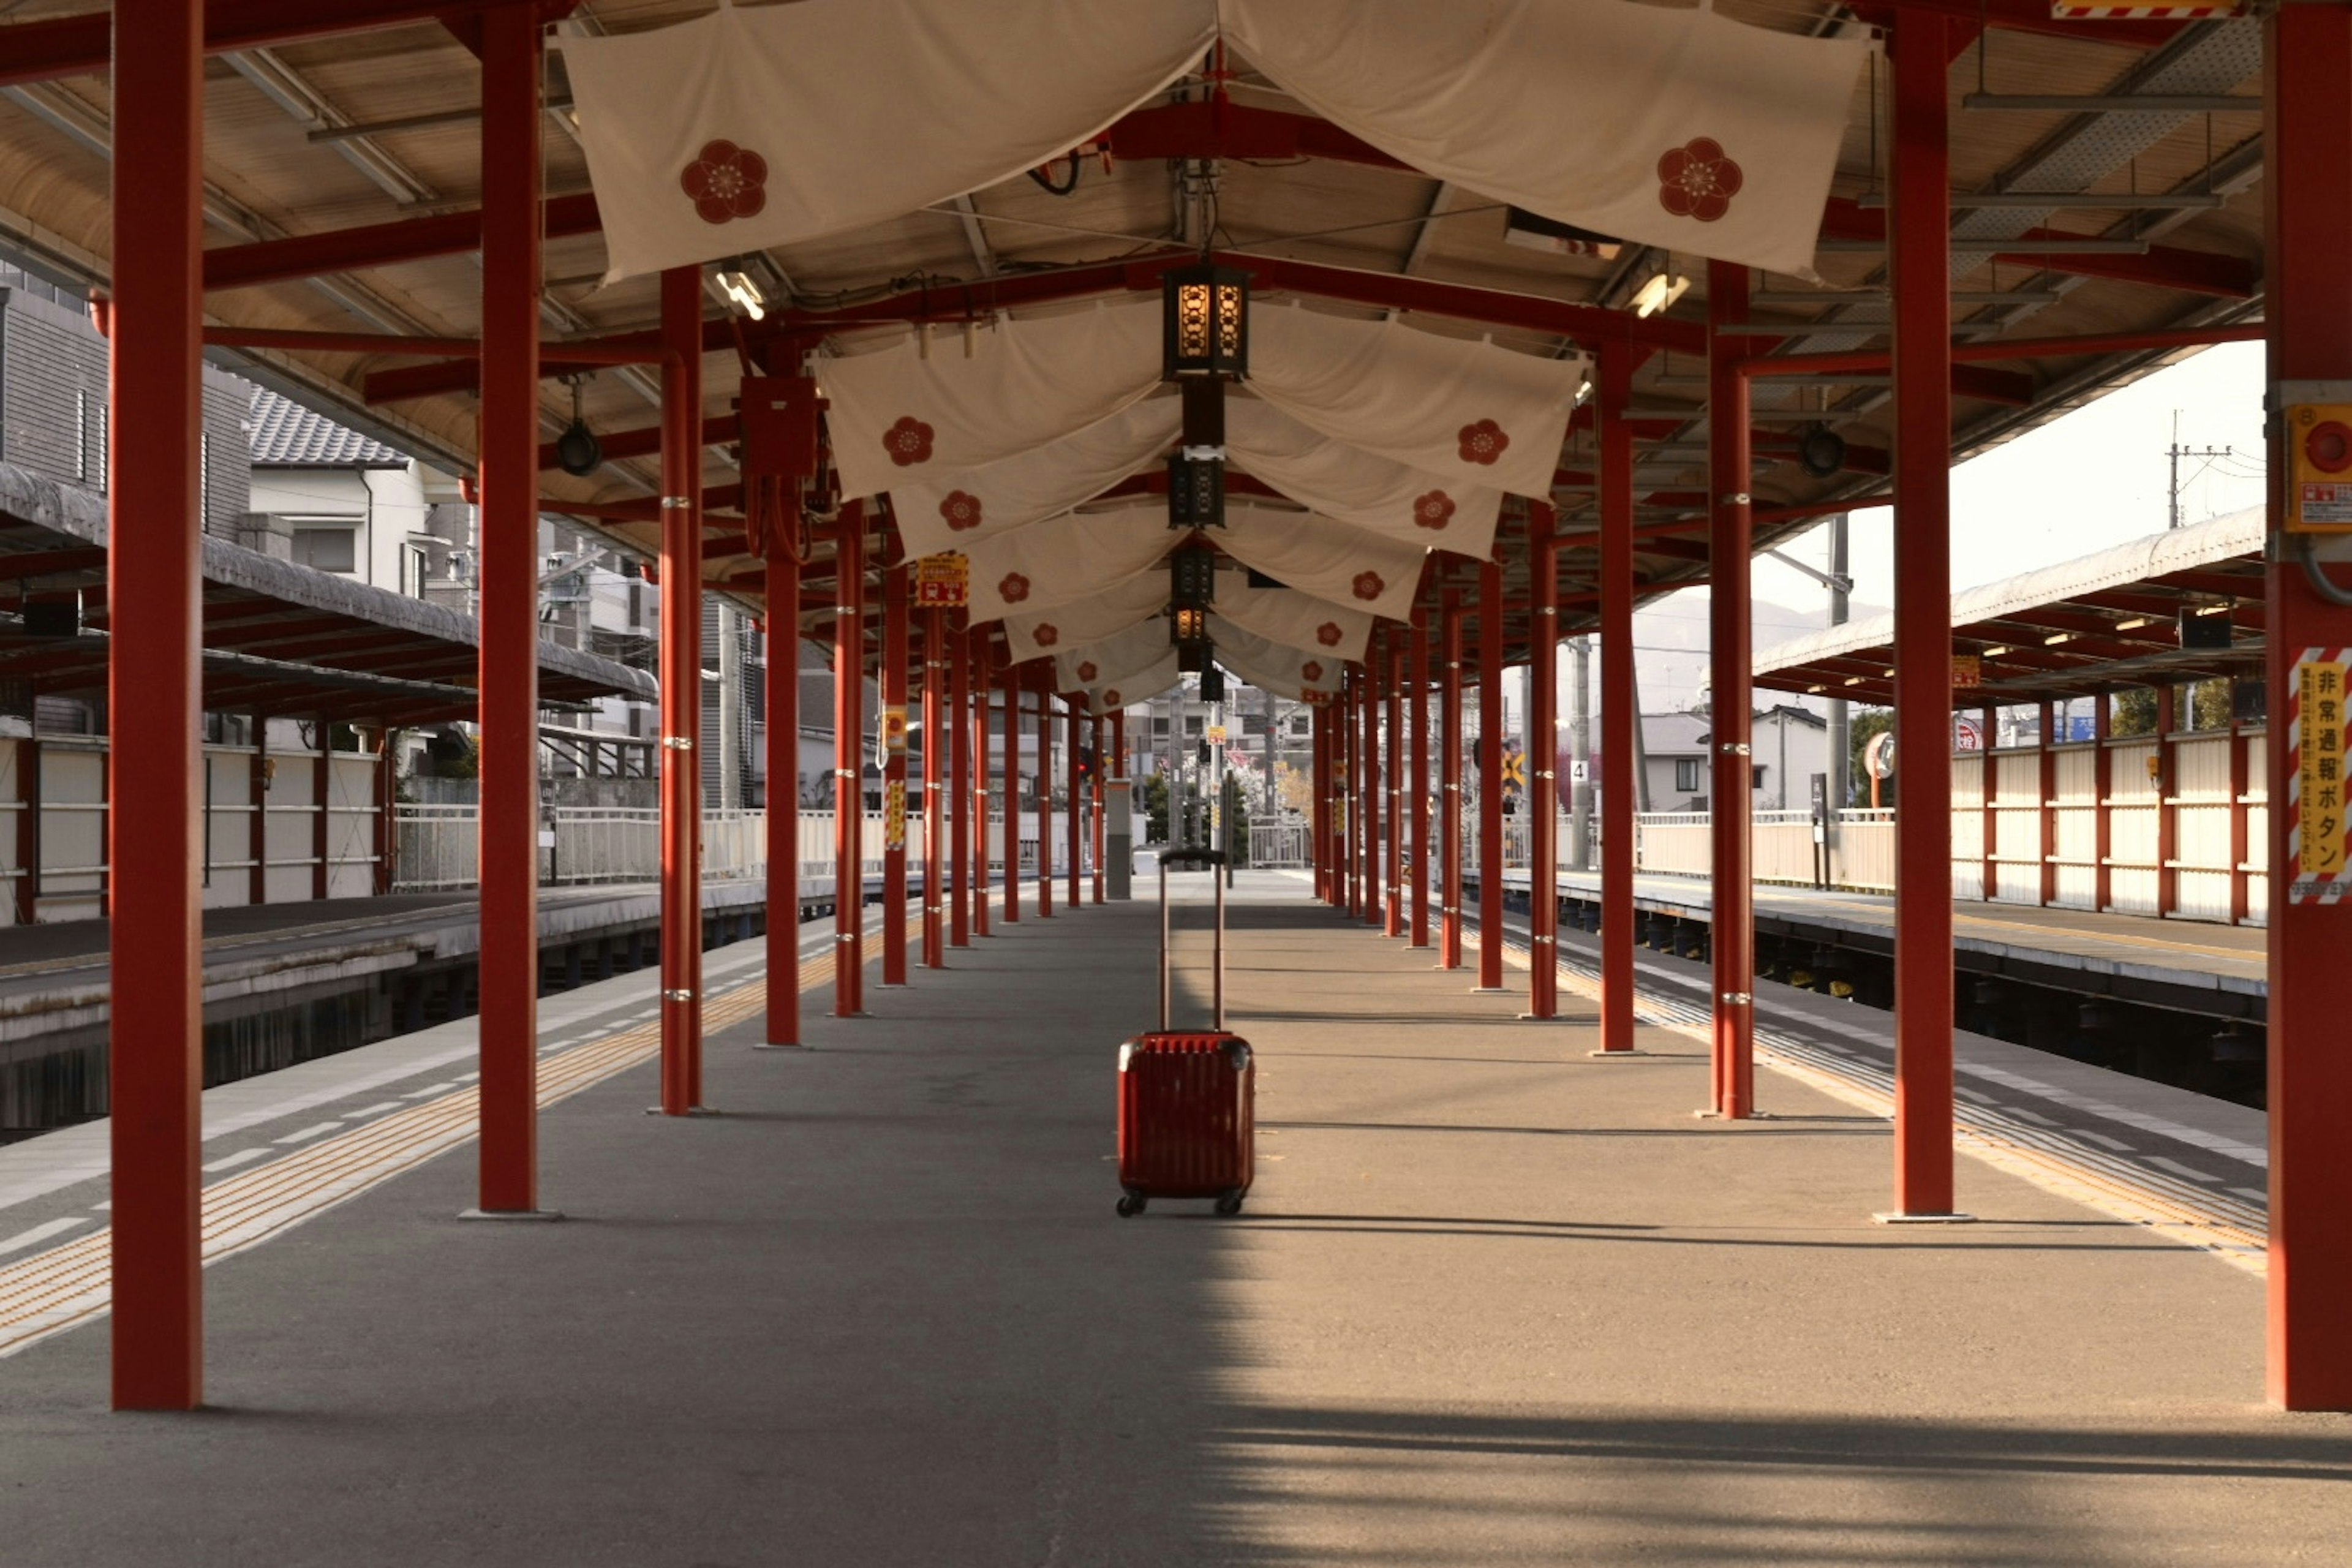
point(54, 1291)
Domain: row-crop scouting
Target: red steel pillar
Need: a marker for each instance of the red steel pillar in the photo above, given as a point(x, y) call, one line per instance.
point(2103, 821)
point(157, 1064)
point(1011, 807)
point(1393, 682)
point(1077, 808)
point(2308, 146)
point(2046, 816)
point(2240, 827)
point(1543, 789)
point(1416, 797)
point(1619, 701)
point(935, 745)
point(1730, 636)
point(893, 731)
point(1343, 786)
point(1490, 776)
point(2167, 813)
point(1919, 231)
point(848, 764)
point(980, 719)
point(960, 785)
point(1044, 680)
point(1100, 780)
point(681, 691)
point(1376, 666)
point(1318, 763)
point(1449, 794)
point(508, 1021)
point(783, 820)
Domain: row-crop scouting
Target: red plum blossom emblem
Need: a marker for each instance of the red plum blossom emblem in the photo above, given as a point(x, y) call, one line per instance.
point(1368, 584)
point(1110, 698)
point(1695, 180)
point(1483, 443)
point(1087, 670)
point(726, 181)
point(1312, 670)
point(1329, 633)
point(1434, 510)
point(1014, 589)
point(909, 442)
point(961, 509)
point(1046, 635)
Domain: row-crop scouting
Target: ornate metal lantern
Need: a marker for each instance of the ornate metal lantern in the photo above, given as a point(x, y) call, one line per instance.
point(1196, 489)
point(1205, 326)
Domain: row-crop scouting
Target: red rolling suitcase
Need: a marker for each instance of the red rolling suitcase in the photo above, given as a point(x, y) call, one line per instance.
point(1187, 1097)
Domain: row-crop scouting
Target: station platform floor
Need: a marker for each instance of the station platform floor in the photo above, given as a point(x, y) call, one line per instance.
point(2125, 951)
point(1493, 1300)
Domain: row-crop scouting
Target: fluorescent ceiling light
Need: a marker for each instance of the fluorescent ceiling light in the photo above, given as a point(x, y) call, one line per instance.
point(2054, 638)
point(740, 288)
point(1659, 293)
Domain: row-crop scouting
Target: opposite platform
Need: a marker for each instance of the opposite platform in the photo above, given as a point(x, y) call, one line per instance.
point(1494, 1302)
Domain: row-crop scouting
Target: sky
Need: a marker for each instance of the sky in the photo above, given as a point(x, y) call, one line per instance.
point(2086, 480)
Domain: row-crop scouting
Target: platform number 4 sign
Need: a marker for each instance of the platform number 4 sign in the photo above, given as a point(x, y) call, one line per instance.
point(2315, 832)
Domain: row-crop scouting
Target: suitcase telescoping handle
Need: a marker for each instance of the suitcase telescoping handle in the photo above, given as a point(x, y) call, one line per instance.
point(1214, 859)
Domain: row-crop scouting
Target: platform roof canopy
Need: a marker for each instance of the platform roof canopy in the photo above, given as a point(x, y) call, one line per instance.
point(280, 639)
point(2128, 616)
point(2106, 175)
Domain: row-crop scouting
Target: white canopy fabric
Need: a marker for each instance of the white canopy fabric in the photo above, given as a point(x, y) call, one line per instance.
point(1114, 660)
point(1675, 128)
point(1086, 620)
point(1143, 688)
point(1064, 560)
point(951, 509)
point(1353, 485)
point(1271, 667)
point(1465, 411)
point(1329, 560)
point(746, 129)
point(1293, 619)
point(898, 415)
point(1468, 414)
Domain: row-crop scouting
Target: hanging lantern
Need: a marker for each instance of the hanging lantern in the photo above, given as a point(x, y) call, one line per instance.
point(1193, 578)
point(1196, 490)
point(1205, 311)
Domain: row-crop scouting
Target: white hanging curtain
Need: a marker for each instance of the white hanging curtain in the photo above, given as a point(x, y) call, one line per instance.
point(1141, 688)
point(1270, 666)
point(1293, 619)
point(1064, 560)
point(747, 129)
point(1329, 560)
point(1113, 660)
point(1675, 128)
point(952, 508)
point(1091, 619)
point(1466, 412)
point(899, 415)
point(1353, 485)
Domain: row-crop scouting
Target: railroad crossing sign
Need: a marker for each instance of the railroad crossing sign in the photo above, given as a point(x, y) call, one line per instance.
point(1514, 769)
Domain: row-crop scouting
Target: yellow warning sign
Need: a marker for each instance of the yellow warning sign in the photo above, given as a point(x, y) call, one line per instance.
point(893, 731)
point(2319, 828)
point(1967, 670)
point(943, 580)
point(894, 815)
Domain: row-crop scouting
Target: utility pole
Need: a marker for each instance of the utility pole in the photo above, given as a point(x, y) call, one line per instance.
point(2176, 453)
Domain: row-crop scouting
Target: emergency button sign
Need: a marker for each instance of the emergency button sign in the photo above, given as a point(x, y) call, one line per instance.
point(2317, 832)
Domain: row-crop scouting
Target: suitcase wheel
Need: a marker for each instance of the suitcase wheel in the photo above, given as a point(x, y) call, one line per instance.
point(1229, 1204)
point(1130, 1204)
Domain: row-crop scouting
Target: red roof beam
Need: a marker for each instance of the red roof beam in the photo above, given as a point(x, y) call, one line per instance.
point(1863, 361)
point(82, 45)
